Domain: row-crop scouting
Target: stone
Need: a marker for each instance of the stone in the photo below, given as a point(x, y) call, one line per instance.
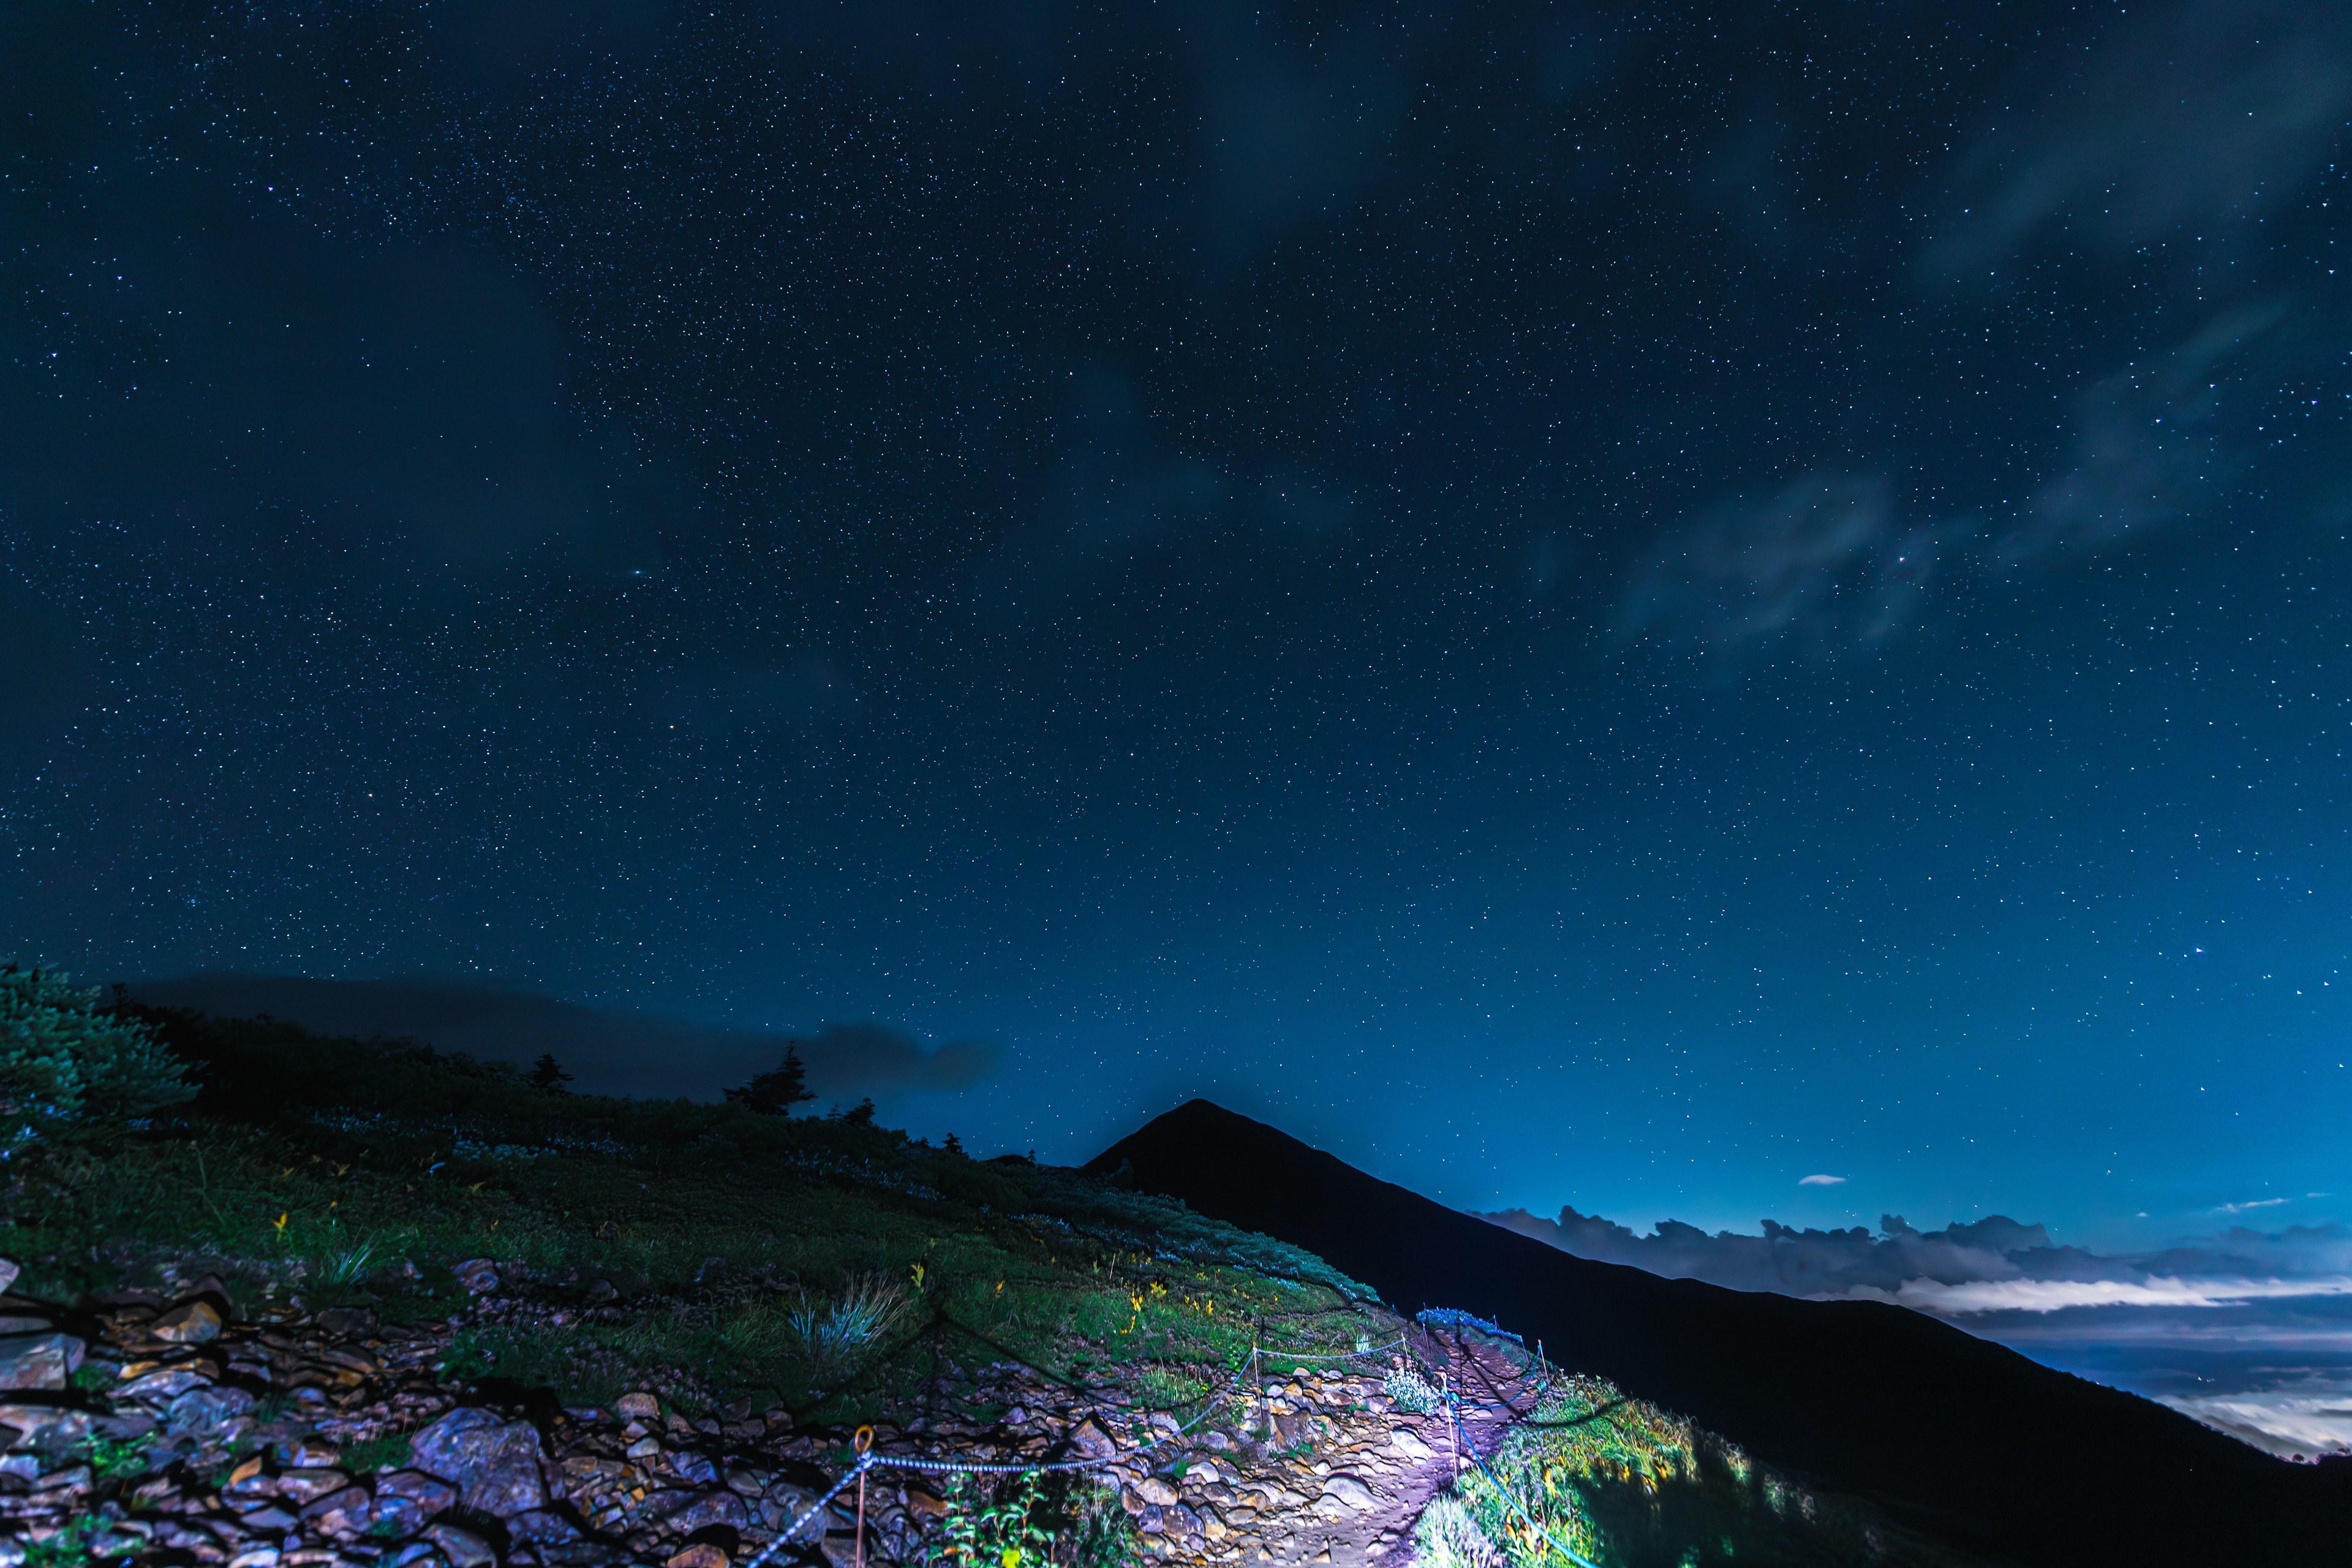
point(207, 1408)
point(929, 1507)
point(709, 1509)
point(1092, 1441)
point(493, 1464)
point(643, 1448)
point(639, 1406)
point(189, 1323)
point(299, 1487)
point(9, 1269)
point(39, 1360)
point(480, 1275)
point(413, 1553)
point(1217, 1440)
point(162, 1387)
point(1408, 1443)
point(701, 1555)
point(255, 1557)
point(308, 1452)
point(348, 1322)
point(463, 1548)
point(1201, 1472)
point(1156, 1491)
point(1350, 1492)
point(44, 1424)
point(693, 1466)
point(271, 1519)
point(405, 1500)
point(542, 1526)
point(346, 1511)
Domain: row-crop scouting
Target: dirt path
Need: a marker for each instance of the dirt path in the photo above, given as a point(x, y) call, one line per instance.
point(1343, 1478)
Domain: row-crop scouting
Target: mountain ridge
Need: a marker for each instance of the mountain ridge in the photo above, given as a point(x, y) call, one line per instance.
point(1955, 1435)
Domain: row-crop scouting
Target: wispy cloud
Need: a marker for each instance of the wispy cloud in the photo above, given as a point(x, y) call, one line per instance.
point(2197, 114)
point(1820, 1181)
point(2147, 443)
point(1822, 564)
point(2255, 1204)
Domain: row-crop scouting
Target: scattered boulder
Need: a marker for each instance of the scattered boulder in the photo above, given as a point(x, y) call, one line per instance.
point(190, 1323)
point(299, 1487)
point(343, 1512)
point(1408, 1445)
point(162, 1387)
point(206, 1408)
point(405, 1500)
point(463, 1548)
point(480, 1275)
point(39, 1360)
point(542, 1526)
point(493, 1464)
point(1350, 1492)
point(1154, 1491)
point(709, 1509)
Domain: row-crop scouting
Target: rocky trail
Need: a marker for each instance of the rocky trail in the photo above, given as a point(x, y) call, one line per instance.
point(182, 1431)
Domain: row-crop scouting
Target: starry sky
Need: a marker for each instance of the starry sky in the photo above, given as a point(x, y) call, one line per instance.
point(1622, 604)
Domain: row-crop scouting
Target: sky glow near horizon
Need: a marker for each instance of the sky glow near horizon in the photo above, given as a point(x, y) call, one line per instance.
point(1704, 617)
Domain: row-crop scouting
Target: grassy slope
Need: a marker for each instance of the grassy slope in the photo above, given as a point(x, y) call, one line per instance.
point(340, 1170)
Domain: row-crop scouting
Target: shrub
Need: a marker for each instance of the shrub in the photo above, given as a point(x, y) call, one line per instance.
point(834, 1335)
point(65, 1065)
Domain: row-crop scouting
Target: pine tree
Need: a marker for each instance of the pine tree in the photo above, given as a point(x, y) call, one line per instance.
point(547, 1073)
point(67, 1065)
point(775, 1093)
point(954, 1145)
point(858, 1115)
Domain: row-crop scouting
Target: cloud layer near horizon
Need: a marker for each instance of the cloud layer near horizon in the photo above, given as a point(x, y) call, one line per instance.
point(607, 1051)
point(1995, 1264)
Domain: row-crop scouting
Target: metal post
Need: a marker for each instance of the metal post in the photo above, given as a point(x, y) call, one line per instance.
point(863, 1442)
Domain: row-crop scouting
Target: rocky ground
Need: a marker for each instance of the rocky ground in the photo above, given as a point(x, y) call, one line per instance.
point(185, 1430)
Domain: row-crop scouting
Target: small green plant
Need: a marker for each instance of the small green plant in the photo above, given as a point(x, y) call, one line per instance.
point(1411, 1391)
point(1449, 1536)
point(1100, 1534)
point(389, 1452)
point(836, 1334)
point(112, 1459)
point(1007, 1532)
point(68, 1548)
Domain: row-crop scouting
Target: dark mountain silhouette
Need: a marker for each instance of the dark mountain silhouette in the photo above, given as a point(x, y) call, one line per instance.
point(1952, 1435)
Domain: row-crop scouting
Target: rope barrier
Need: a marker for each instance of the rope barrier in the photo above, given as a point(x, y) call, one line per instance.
point(869, 1460)
point(865, 1463)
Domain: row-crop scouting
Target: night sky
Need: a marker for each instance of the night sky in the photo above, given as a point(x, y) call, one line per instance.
point(1607, 604)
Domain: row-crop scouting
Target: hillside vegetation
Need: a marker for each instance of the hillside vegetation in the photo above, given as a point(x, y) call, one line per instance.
point(283, 1300)
point(787, 1256)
